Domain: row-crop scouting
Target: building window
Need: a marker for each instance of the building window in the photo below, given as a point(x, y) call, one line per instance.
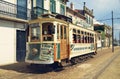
point(62, 9)
point(39, 7)
point(39, 3)
point(22, 9)
point(53, 6)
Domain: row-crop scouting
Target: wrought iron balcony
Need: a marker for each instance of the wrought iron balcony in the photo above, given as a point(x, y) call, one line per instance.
point(10, 9)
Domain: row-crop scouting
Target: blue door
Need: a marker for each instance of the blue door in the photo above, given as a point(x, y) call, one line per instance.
point(21, 46)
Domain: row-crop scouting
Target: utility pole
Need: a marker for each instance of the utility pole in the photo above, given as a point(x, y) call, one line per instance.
point(112, 33)
point(119, 38)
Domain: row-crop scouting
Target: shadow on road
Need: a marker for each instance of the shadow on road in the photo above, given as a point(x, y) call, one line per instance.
point(23, 67)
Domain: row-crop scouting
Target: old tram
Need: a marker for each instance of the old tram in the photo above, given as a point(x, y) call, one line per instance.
point(53, 40)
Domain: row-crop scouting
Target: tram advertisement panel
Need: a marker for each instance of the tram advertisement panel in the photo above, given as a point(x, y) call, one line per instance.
point(79, 49)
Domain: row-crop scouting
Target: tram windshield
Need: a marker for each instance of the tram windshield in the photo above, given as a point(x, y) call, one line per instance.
point(35, 32)
point(48, 29)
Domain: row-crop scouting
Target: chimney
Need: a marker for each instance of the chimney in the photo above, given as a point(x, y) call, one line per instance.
point(72, 6)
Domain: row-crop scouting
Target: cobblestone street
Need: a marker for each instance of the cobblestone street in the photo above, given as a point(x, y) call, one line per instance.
point(90, 69)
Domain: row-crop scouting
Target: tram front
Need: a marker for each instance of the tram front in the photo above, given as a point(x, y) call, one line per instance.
point(40, 45)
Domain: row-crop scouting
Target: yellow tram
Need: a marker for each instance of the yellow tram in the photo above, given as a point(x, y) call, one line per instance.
point(53, 40)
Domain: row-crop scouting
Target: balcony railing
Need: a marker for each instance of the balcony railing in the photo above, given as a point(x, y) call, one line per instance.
point(10, 9)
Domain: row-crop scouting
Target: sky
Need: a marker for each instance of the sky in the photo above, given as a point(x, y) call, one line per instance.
point(102, 9)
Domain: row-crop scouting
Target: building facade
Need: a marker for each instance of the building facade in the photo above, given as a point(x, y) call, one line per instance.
point(13, 20)
point(106, 34)
point(77, 18)
point(40, 7)
point(83, 18)
point(88, 15)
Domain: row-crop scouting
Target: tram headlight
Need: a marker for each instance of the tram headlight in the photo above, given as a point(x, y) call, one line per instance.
point(34, 51)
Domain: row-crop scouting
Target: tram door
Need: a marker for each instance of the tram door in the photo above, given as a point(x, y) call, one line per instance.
point(64, 42)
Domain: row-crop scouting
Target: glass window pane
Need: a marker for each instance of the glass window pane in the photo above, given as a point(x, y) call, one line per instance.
point(62, 9)
point(61, 30)
point(39, 3)
point(52, 6)
point(65, 34)
point(22, 9)
point(48, 29)
point(35, 33)
point(58, 31)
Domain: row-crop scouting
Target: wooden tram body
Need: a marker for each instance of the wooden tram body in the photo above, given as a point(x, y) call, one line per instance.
point(53, 40)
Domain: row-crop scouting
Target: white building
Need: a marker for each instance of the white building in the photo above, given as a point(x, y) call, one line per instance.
point(83, 18)
point(77, 18)
point(12, 32)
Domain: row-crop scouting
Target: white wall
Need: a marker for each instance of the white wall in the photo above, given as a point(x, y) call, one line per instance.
point(57, 6)
point(47, 4)
point(99, 43)
point(8, 41)
point(12, 1)
point(7, 45)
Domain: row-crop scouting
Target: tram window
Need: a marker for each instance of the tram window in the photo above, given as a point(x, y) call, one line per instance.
point(85, 39)
point(82, 39)
point(82, 32)
point(58, 31)
point(65, 34)
point(90, 34)
point(74, 38)
point(78, 31)
point(48, 29)
point(88, 39)
point(35, 33)
point(93, 40)
point(61, 31)
point(79, 39)
point(74, 30)
point(51, 29)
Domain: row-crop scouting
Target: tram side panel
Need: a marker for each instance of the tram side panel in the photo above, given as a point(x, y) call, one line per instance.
point(78, 48)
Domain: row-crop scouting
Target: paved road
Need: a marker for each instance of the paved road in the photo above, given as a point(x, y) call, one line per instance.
point(90, 69)
point(96, 72)
point(112, 71)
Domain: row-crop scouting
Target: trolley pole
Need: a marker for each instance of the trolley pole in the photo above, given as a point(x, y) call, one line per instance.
point(112, 33)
